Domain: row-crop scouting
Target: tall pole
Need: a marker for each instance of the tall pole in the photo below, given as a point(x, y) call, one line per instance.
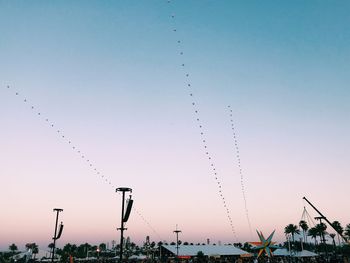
point(176, 231)
point(57, 210)
point(122, 229)
point(123, 190)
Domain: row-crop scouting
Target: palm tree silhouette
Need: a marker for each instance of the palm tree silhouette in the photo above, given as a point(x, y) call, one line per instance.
point(35, 250)
point(13, 248)
point(291, 229)
point(313, 233)
point(337, 226)
point(34, 247)
point(303, 225)
point(321, 229)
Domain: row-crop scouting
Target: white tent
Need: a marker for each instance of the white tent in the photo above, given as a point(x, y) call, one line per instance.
point(208, 250)
point(299, 254)
point(281, 252)
point(305, 253)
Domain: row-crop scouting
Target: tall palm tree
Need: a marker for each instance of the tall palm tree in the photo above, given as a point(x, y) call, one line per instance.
point(321, 230)
point(303, 225)
point(340, 230)
point(313, 233)
point(291, 229)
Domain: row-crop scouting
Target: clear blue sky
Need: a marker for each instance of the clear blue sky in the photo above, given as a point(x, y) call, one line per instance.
point(109, 76)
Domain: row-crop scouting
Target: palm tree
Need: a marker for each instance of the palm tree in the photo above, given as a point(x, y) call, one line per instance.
point(132, 247)
point(347, 231)
point(337, 226)
point(81, 251)
point(28, 246)
point(321, 227)
point(303, 225)
point(103, 246)
point(321, 230)
point(50, 246)
point(291, 229)
point(87, 248)
point(35, 250)
point(313, 233)
point(332, 235)
point(67, 250)
point(33, 247)
point(13, 248)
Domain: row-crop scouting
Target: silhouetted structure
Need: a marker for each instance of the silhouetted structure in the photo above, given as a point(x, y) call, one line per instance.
point(124, 217)
point(56, 236)
point(176, 231)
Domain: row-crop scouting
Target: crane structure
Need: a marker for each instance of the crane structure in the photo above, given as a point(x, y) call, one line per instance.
point(325, 218)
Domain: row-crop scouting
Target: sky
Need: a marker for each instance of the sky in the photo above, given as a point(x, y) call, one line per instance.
point(124, 82)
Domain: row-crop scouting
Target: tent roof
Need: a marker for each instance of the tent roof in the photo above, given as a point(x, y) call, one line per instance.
point(305, 253)
point(208, 250)
point(281, 252)
point(298, 254)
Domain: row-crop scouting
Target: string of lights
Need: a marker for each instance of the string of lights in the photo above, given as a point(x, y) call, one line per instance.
point(199, 122)
point(61, 134)
point(238, 157)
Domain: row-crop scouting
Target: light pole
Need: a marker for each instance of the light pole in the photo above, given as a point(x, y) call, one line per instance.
point(55, 237)
point(176, 231)
point(124, 217)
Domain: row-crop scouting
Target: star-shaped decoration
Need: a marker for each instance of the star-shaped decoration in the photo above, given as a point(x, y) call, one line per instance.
point(265, 244)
